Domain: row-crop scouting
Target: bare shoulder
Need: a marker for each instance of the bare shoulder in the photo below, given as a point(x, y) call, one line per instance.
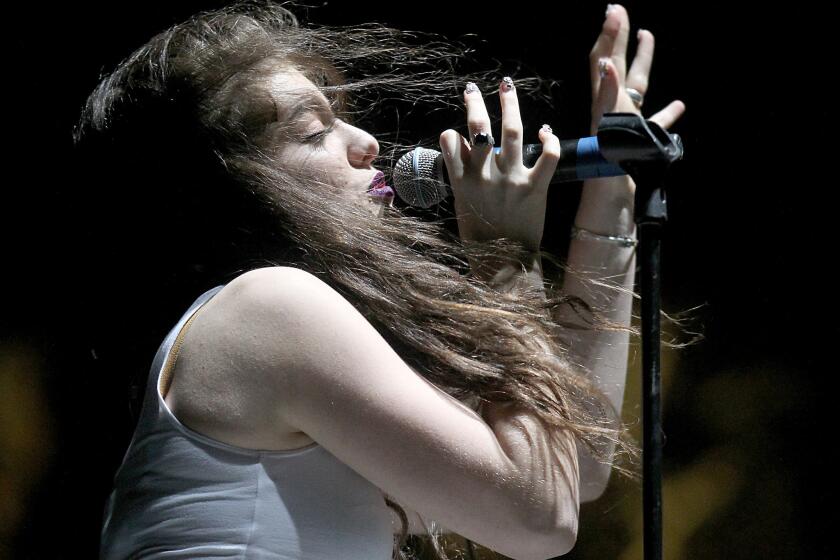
point(343, 385)
point(217, 388)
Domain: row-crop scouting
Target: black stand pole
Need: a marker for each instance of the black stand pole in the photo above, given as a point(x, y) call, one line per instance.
point(645, 150)
point(650, 243)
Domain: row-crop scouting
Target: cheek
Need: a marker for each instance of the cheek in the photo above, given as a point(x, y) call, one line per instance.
point(325, 164)
point(326, 168)
point(332, 162)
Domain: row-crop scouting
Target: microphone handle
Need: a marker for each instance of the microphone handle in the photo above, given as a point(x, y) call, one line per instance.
point(580, 159)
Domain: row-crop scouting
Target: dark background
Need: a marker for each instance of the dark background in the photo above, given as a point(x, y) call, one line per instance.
point(751, 238)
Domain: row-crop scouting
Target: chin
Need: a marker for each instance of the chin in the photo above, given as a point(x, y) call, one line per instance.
point(379, 207)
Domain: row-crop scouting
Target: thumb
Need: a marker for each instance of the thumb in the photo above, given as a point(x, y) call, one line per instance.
point(669, 115)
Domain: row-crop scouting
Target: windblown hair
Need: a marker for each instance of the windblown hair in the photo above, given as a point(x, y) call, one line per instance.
point(181, 179)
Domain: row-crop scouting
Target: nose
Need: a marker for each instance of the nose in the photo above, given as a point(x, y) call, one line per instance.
point(362, 147)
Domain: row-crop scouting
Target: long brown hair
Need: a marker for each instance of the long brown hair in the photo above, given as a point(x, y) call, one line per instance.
point(174, 146)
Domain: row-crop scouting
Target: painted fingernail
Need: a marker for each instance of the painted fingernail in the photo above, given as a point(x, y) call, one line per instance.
point(507, 83)
point(602, 67)
point(546, 128)
point(471, 87)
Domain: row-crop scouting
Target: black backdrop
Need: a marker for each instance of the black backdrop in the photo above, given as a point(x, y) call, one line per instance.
point(751, 237)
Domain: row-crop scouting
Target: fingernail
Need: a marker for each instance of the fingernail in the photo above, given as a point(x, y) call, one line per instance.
point(546, 128)
point(610, 7)
point(639, 34)
point(507, 83)
point(602, 67)
point(471, 87)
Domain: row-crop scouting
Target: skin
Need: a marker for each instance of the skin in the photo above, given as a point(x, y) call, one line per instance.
point(344, 157)
point(608, 93)
point(610, 96)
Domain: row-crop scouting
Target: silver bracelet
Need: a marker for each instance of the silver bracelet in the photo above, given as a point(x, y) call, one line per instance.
point(623, 240)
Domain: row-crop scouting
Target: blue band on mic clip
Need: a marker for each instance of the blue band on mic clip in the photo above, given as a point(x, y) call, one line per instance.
point(589, 151)
point(590, 162)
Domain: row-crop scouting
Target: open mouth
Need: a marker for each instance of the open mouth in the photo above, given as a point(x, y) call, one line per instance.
point(379, 189)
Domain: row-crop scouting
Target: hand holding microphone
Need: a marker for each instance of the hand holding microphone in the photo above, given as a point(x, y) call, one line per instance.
point(421, 179)
point(495, 194)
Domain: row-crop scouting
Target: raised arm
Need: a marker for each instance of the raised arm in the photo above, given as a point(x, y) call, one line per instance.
point(606, 209)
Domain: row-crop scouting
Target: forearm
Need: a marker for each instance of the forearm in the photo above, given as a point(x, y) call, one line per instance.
point(548, 466)
point(606, 207)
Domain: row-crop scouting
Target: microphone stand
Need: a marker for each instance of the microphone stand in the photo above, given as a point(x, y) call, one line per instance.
point(646, 151)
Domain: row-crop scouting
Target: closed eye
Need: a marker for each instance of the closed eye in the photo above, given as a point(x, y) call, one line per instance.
point(319, 137)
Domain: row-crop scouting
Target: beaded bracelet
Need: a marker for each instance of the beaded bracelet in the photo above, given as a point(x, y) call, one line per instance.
point(623, 240)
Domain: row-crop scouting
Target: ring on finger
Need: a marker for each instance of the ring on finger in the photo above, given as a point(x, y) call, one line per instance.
point(637, 97)
point(483, 139)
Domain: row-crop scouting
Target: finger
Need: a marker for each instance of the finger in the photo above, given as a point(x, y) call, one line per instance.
point(607, 94)
point(455, 153)
point(477, 121)
point(637, 76)
point(669, 115)
point(511, 144)
point(543, 170)
point(612, 42)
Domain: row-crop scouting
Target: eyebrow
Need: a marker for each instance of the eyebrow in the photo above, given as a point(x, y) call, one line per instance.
point(309, 101)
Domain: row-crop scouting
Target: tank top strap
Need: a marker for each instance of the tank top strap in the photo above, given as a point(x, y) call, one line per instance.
point(164, 358)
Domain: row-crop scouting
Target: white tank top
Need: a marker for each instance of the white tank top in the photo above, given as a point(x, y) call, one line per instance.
point(180, 494)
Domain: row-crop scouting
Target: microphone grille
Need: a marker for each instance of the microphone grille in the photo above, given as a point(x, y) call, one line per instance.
point(418, 178)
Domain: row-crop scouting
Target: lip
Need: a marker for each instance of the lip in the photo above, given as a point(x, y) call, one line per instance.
point(376, 181)
point(379, 189)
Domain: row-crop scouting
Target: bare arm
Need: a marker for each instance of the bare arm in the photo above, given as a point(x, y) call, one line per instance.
point(552, 470)
point(337, 380)
point(549, 471)
point(604, 353)
point(606, 207)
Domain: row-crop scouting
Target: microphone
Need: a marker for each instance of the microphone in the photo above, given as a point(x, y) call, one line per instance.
point(420, 177)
